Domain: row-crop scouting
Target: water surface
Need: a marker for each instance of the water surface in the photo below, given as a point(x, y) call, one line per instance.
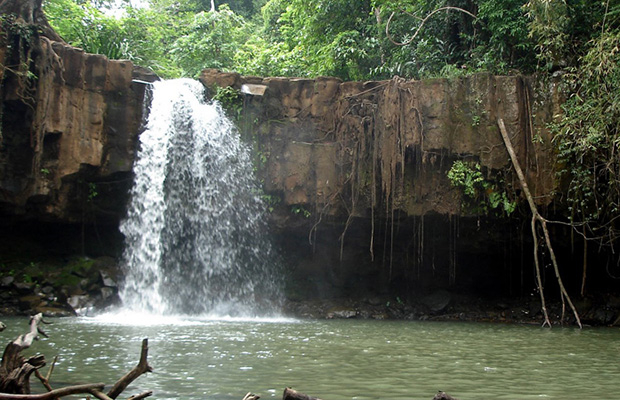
point(337, 360)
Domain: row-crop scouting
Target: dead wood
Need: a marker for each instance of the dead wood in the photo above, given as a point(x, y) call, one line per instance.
point(536, 217)
point(15, 370)
point(45, 380)
point(54, 394)
point(142, 395)
point(2, 326)
point(142, 367)
point(290, 394)
point(251, 396)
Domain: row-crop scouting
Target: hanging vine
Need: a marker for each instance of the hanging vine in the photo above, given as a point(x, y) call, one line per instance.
point(386, 121)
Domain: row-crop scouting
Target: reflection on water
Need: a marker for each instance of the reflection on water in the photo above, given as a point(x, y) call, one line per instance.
point(337, 360)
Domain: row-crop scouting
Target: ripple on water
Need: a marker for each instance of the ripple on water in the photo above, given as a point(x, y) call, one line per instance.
point(341, 361)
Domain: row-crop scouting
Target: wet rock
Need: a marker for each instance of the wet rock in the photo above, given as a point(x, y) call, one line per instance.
point(604, 316)
point(375, 301)
point(29, 302)
point(47, 289)
point(7, 281)
point(107, 280)
point(78, 302)
point(342, 314)
point(437, 301)
point(106, 293)
point(23, 287)
point(613, 302)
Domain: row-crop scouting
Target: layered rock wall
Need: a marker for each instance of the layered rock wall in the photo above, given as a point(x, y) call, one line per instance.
point(390, 143)
point(69, 133)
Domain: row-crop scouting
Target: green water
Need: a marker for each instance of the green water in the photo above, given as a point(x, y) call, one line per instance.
point(338, 360)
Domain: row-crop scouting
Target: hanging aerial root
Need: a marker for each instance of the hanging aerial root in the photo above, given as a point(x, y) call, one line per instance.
point(543, 223)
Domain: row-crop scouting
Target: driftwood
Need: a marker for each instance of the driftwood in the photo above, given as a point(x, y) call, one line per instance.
point(54, 394)
point(15, 372)
point(142, 367)
point(290, 394)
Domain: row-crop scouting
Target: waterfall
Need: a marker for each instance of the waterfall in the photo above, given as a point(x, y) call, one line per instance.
point(195, 231)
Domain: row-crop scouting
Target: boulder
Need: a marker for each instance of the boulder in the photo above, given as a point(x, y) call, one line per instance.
point(437, 301)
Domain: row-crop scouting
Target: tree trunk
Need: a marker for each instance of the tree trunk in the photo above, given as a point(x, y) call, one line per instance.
point(29, 12)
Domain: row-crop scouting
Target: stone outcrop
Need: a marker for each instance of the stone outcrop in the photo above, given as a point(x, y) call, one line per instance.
point(69, 128)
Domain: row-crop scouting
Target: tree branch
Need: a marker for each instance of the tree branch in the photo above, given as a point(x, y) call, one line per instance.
point(54, 394)
point(142, 367)
point(389, 21)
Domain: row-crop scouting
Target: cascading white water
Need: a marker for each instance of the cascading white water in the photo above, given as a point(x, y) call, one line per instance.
point(195, 233)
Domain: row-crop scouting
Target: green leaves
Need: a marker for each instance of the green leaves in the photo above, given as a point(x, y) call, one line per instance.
point(85, 26)
point(480, 195)
point(210, 40)
point(587, 137)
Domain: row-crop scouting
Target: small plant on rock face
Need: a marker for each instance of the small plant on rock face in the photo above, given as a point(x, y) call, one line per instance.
point(481, 195)
point(230, 99)
point(92, 191)
point(300, 210)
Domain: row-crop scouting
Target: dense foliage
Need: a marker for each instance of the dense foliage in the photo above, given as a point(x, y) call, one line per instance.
point(344, 38)
point(351, 39)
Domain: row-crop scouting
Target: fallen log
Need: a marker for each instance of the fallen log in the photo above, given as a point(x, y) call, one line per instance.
point(143, 395)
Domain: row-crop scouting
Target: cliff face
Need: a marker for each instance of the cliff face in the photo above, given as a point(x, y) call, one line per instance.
point(390, 143)
point(69, 130)
point(356, 173)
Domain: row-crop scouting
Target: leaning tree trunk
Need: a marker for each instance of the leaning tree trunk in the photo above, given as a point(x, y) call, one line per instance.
point(29, 12)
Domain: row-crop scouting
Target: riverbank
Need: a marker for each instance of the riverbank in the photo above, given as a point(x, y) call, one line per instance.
point(83, 286)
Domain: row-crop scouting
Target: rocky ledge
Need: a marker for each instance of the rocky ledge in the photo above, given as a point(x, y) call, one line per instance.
point(80, 287)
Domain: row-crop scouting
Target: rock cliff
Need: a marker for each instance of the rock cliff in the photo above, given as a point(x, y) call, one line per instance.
point(69, 127)
point(357, 175)
point(390, 143)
